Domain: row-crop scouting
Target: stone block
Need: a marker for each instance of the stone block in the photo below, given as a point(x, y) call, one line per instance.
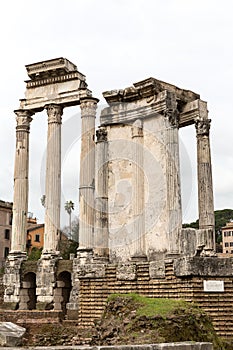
point(11, 334)
point(203, 266)
point(60, 284)
point(26, 284)
point(157, 269)
point(126, 272)
point(57, 291)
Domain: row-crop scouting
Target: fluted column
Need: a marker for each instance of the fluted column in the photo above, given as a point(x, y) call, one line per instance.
point(173, 178)
point(87, 174)
point(138, 193)
point(101, 201)
point(53, 179)
point(204, 173)
point(20, 205)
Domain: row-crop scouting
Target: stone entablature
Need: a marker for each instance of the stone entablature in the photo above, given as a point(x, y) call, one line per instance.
point(55, 81)
point(149, 97)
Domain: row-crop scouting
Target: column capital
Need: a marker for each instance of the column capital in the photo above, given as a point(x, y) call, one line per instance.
point(202, 127)
point(88, 106)
point(54, 113)
point(102, 135)
point(23, 119)
point(137, 128)
point(172, 115)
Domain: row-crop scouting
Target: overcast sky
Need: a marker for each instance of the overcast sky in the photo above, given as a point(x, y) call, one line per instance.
point(115, 43)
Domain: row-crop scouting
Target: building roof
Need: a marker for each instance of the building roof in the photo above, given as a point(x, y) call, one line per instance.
point(34, 227)
point(229, 225)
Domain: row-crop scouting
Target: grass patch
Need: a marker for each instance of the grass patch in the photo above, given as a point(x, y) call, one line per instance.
point(151, 306)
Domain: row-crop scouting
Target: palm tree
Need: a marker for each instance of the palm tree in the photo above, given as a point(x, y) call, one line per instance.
point(43, 200)
point(69, 206)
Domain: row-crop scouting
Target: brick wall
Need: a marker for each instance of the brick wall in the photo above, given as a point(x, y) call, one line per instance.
point(94, 292)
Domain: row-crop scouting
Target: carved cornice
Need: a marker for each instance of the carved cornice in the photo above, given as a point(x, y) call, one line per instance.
point(58, 65)
point(54, 113)
point(102, 135)
point(126, 113)
point(88, 107)
point(191, 111)
point(23, 120)
point(58, 79)
point(202, 127)
point(147, 88)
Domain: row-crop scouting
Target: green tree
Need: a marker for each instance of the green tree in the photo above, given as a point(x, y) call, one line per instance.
point(221, 218)
point(74, 230)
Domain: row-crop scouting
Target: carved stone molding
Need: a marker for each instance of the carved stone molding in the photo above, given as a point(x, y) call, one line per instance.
point(88, 107)
point(23, 119)
point(202, 127)
point(54, 113)
point(102, 135)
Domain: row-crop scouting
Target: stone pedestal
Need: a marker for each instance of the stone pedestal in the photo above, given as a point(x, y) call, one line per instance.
point(12, 280)
point(46, 282)
point(87, 174)
point(53, 180)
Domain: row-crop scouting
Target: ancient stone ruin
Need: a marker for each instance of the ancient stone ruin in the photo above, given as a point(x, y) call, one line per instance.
point(130, 237)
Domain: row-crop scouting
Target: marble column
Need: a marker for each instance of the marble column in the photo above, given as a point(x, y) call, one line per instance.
point(204, 173)
point(87, 174)
point(138, 193)
point(20, 204)
point(101, 201)
point(53, 180)
point(173, 180)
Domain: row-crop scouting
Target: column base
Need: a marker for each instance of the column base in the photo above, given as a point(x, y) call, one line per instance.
point(49, 254)
point(139, 257)
point(85, 255)
point(12, 278)
point(172, 255)
point(15, 255)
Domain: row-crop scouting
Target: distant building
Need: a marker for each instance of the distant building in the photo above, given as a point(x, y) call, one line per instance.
point(227, 238)
point(35, 235)
point(5, 230)
point(35, 232)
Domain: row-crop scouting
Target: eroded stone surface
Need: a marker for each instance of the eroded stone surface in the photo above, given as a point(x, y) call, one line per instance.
point(11, 334)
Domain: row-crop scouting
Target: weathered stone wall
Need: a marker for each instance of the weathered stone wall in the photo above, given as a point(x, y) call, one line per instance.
point(159, 221)
point(32, 316)
point(94, 291)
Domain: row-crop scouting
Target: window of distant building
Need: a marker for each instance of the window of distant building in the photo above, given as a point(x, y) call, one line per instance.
point(37, 238)
point(6, 252)
point(7, 233)
point(231, 244)
point(10, 220)
point(226, 244)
